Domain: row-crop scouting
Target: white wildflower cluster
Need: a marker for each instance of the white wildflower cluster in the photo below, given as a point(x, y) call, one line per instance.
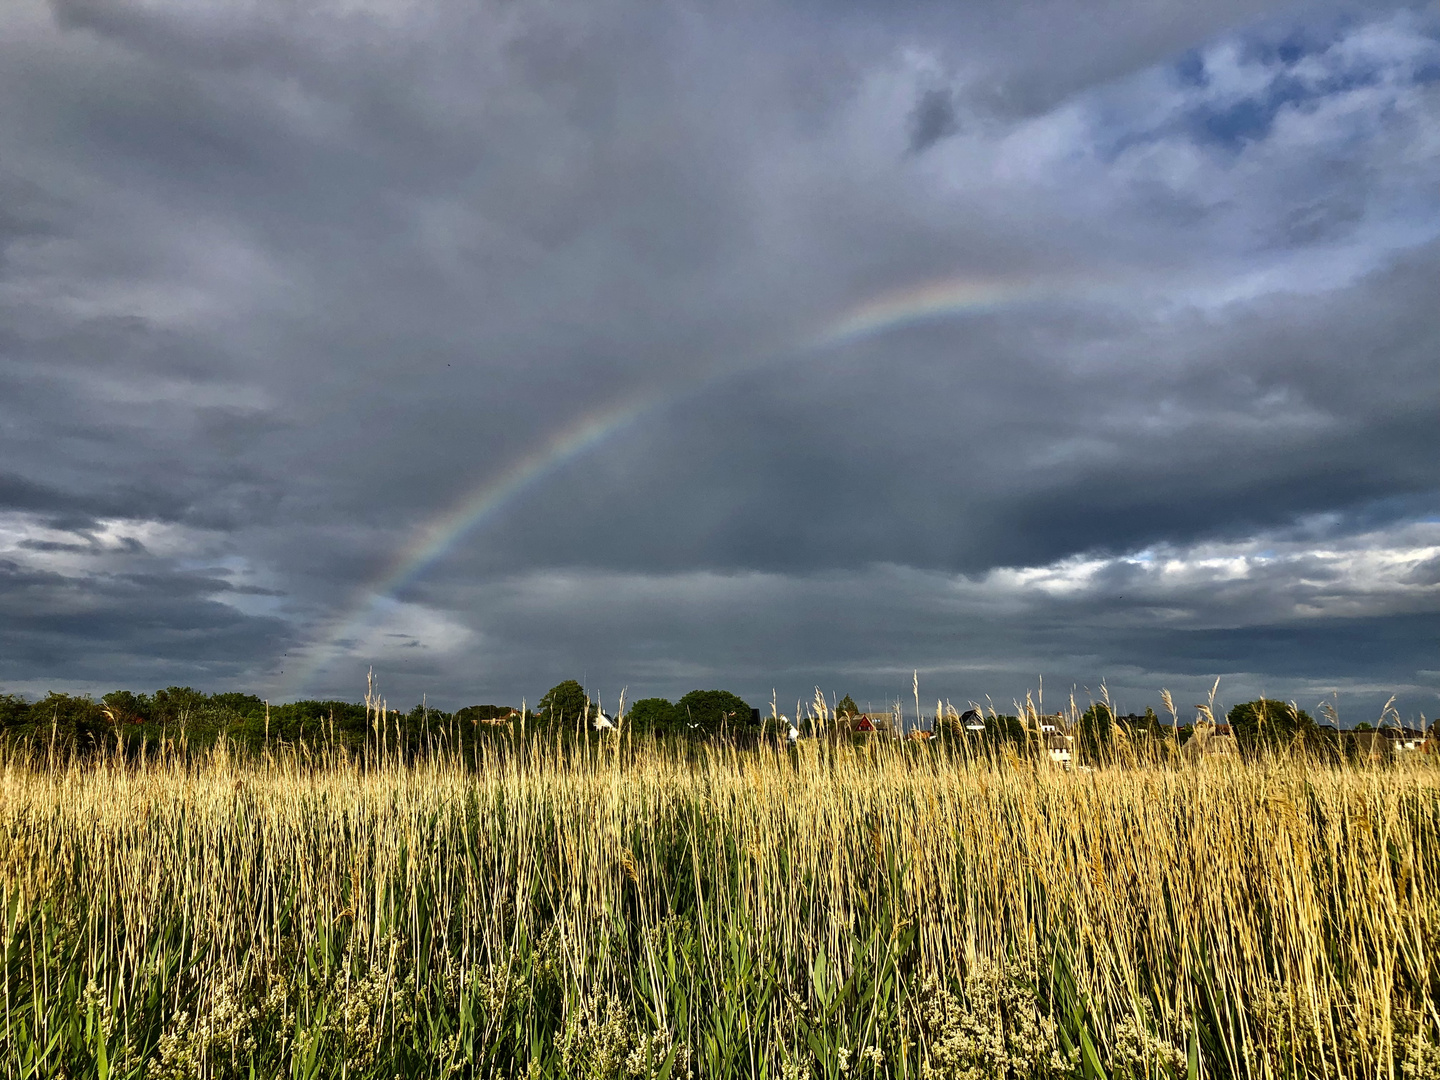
point(1419, 1054)
point(377, 997)
point(94, 1001)
point(796, 1018)
point(500, 988)
point(547, 965)
point(220, 1040)
point(797, 1068)
point(998, 1032)
point(450, 1062)
point(358, 1020)
point(602, 1042)
point(1281, 1030)
point(217, 1042)
point(496, 989)
point(1139, 1050)
point(868, 1061)
point(672, 928)
point(98, 1008)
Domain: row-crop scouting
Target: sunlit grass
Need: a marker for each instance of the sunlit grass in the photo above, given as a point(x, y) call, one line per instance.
point(629, 909)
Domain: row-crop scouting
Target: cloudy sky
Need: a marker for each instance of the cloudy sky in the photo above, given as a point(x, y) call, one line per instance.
point(684, 345)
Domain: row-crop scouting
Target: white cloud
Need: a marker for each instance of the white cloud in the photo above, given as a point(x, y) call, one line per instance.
point(107, 544)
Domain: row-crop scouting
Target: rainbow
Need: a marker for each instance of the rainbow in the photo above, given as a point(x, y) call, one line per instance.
point(431, 543)
point(921, 303)
point(438, 538)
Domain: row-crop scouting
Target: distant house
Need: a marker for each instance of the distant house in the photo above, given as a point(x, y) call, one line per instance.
point(1384, 743)
point(493, 715)
point(971, 720)
point(1370, 745)
point(1060, 749)
point(1051, 724)
point(1404, 740)
point(869, 723)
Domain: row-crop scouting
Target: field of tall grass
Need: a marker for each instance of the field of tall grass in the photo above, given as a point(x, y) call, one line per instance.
point(622, 908)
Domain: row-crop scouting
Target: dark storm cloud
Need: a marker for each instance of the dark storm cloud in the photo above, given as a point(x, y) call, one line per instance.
point(140, 630)
point(77, 511)
point(1427, 573)
point(932, 119)
point(280, 286)
point(1386, 651)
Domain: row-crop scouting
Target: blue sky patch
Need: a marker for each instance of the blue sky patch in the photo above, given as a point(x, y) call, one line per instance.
point(1301, 68)
point(1190, 68)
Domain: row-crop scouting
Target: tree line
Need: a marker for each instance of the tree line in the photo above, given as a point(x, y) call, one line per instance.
point(566, 711)
point(85, 723)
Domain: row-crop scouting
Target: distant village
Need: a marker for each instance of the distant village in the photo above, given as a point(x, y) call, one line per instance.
point(1064, 738)
point(1073, 739)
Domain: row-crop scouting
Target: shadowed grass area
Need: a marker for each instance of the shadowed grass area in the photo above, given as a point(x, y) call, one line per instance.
point(632, 909)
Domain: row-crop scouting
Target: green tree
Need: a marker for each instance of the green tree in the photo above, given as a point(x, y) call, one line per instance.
point(126, 708)
point(308, 720)
point(245, 704)
point(715, 711)
point(1266, 722)
point(14, 709)
point(563, 703)
point(1094, 729)
point(1006, 728)
point(654, 714)
point(175, 703)
point(76, 721)
point(847, 707)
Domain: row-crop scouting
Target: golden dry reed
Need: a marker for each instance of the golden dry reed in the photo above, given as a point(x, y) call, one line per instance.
point(618, 909)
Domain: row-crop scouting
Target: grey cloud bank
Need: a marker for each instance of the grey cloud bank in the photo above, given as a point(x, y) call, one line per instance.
point(281, 288)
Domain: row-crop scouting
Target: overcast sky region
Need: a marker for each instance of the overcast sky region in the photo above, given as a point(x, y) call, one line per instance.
point(675, 345)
